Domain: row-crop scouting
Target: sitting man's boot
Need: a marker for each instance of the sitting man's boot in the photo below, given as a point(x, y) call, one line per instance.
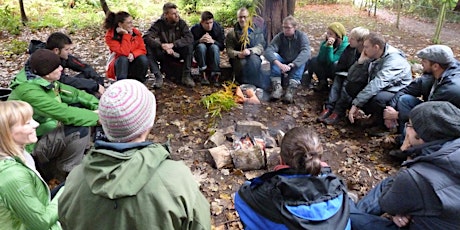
point(187, 80)
point(158, 81)
point(290, 92)
point(204, 79)
point(333, 119)
point(277, 89)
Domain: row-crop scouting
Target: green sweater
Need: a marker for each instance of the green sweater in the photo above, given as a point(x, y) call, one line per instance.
point(329, 55)
point(52, 103)
point(25, 198)
point(132, 186)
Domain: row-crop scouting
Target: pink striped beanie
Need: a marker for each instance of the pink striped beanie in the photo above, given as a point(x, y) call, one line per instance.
point(126, 110)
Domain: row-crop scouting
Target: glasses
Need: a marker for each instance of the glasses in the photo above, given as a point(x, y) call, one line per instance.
point(408, 124)
point(288, 27)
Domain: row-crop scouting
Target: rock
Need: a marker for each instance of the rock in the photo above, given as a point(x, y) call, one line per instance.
point(273, 157)
point(221, 156)
point(248, 159)
point(218, 138)
point(253, 128)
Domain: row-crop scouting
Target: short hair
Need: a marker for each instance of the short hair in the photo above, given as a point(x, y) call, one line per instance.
point(376, 39)
point(291, 20)
point(301, 149)
point(241, 10)
point(57, 40)
point(206, 15)
point(359, 33)
point(112, 19)
point(167, 6)
point(13, 112)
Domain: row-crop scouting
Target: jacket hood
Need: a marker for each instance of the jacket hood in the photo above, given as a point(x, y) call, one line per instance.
point(116, 170)
point(442, 153)
point(26, 76)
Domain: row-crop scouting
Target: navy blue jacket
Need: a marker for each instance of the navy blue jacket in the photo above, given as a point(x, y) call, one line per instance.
point(217, 33)
point(285, 199)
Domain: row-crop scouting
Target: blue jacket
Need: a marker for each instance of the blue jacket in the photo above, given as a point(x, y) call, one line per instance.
point(428, 189)
point(285, 199)
point(217, 33)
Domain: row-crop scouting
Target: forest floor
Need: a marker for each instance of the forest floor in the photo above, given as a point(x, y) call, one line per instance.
point(359, 158)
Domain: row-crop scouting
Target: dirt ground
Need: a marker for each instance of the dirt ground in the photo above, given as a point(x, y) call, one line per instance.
point(361, 160)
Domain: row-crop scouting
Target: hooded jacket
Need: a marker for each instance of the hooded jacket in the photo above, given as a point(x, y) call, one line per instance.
point(428, 189)
point(52, 103)
point(285, 199)
point(294, 49)
point(132, 186)
point(25, 198)
point(391, 72)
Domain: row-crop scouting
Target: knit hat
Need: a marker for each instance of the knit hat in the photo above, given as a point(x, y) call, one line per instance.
point(338, 29)
point(436, 120)
point(43, 62)
point(437, 53)
point(126, 110)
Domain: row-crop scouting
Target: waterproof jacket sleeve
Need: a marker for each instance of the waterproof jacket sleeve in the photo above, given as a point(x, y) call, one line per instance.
point(152, 37)
point(88, 85)
point(48, 106)
point(390, 71)
point(23, 200)
point(75, 64)
point(415, 88)
point(186, 36)
point(232, 43)
point(138, 45)
point(128, 44)
point(259, 41)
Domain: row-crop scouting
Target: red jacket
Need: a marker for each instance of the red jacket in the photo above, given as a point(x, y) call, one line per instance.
point(123, 45)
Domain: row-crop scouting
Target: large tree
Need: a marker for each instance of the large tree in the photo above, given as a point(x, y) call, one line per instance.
point(273, 12)
point(24, 18)
point(457, 7)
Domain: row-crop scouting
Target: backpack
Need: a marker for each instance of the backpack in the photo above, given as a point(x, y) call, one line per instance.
point(35, 45)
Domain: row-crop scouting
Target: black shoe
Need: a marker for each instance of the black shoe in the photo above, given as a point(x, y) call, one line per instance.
point(399, 154)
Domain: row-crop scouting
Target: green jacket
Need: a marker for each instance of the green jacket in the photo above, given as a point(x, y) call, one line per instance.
point(25, 198)
point(132, 186)
point(52, 102)
point(329, 55)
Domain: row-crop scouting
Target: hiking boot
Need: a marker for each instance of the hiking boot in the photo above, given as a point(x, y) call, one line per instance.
point(398, 153)
point(333, 119)
point(158, 81)
point(215, 79)
point(290, 91)
point(187, 80)
point(204, 79)
point(277, 89)
point(323, 115)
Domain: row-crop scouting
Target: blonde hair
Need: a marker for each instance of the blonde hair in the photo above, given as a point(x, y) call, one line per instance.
point(359, 33)
point(12, 113)
point(301, 149)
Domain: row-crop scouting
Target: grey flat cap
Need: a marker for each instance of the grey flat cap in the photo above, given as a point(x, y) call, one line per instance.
point(437, 53)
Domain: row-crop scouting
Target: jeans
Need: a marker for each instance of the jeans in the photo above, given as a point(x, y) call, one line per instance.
point(322, 71)
point(366, 213)
point(294, 74)
point(207, 53)
point(338, 100)
point(247, 71)
point(377, 104)
point(405, 104)
point(156, 55)
point(137, 69)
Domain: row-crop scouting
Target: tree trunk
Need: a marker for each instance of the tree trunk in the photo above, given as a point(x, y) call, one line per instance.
point(439, 23)
point(457, 7)
point(273, 12)
point(105, 7)
point(24, 18)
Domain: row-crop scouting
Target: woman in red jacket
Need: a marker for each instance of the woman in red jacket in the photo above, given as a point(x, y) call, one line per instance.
point(128, 54)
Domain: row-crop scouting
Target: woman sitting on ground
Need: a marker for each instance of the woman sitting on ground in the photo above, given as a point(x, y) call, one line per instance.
point(128, 59)
point(24, 196)
point(296, 194)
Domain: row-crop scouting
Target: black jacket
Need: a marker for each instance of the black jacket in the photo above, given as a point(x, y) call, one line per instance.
point(163, 32)
point(217, 33)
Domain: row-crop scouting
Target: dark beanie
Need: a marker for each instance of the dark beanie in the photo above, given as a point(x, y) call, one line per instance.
point(44, 61)
point(436, 120)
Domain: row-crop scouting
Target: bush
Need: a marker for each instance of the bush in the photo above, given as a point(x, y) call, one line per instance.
point(10, 21)
point(15, 47)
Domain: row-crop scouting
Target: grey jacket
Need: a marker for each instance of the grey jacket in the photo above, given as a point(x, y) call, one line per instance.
point(391, 72)
point(294, 50)
point(428, 189)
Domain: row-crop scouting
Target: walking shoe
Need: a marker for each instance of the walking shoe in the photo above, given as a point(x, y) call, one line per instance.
point(290, 91)
point(398, 153)
point(204, 79)
point(323, 115)
point(277, 89)
point(187, 80)
point(215, 79)
point(333, 119)
point(158, 81)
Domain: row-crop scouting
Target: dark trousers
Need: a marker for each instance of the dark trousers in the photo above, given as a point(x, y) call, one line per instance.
point(247, 71)
point(323, 71)
point(377, 104)
point(137, 69)
point(339, 100)
point(208, 53)
point(157, 55)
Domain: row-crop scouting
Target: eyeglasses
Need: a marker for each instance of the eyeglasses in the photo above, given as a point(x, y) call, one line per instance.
point(288, 27)
point(408, 124)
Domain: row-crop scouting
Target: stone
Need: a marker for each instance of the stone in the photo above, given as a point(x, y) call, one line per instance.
point(221, 156)
point(248, 159)
point(273, 157)
point(253, 128)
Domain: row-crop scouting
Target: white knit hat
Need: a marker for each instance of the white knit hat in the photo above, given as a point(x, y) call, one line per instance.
point(126, 110)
